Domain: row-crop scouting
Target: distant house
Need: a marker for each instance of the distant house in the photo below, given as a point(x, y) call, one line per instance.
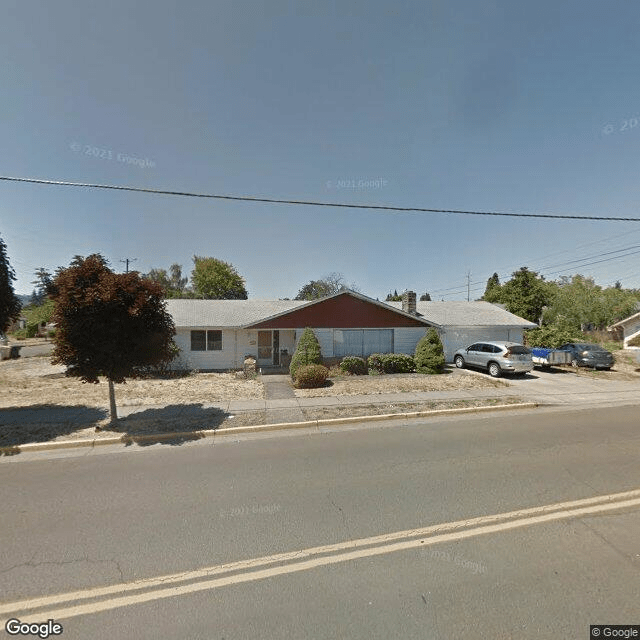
point(20, 323)
point(218, 334)
point(630, 328)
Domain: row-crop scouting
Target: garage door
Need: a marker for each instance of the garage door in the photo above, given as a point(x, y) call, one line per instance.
point(455, 339)
point(362, 342)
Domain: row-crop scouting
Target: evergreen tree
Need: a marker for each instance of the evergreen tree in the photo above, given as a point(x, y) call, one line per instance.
point(307, 352)
point(9, 303)
point(429, 355)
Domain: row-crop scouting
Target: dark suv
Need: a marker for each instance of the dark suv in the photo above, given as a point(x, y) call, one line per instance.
point(584, 354)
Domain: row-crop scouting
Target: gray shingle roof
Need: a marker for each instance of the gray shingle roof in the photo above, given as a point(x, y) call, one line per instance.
point(238, 313)
point(226, 313)
point(466, 314)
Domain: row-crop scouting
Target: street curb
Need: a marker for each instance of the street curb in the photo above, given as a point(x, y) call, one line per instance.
point(210, 433)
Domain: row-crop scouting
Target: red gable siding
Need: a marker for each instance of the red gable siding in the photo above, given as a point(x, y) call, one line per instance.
point(341, 312)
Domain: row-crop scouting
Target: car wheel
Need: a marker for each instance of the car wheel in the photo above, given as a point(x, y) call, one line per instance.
point(494, 370)
point(574, 363)
point(459, 362)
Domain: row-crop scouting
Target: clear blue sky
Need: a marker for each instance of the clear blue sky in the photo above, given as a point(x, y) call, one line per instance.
point(494, 105)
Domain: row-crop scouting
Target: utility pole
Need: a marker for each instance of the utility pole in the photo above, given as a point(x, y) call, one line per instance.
point(127, 261)
point(468, 285)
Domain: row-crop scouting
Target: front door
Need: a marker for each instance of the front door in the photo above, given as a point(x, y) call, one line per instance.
point(265, 348)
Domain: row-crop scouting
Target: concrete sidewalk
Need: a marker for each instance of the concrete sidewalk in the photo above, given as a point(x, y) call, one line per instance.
point(573, 392)
point(281, 404)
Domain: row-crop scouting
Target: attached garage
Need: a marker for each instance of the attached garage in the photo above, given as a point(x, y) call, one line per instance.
point(460, 324)
point(461, 337)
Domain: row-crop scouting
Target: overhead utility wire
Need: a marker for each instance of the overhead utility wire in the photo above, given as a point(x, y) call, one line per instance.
point(543, 271)
point(312, 203)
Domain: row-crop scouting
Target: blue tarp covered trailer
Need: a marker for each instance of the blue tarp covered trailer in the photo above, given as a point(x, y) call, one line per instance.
point(543, 357)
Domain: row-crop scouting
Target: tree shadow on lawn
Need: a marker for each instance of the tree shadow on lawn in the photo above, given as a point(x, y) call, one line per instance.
point(182, 418)
point(46, 423)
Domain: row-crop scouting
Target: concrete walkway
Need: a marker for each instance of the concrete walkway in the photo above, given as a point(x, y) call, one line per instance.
point(280, 400)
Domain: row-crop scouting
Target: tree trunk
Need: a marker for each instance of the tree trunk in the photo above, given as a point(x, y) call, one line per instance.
point(112, 403)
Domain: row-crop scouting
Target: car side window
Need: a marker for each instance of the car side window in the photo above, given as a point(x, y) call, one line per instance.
point(495, 349)
point(473, 347)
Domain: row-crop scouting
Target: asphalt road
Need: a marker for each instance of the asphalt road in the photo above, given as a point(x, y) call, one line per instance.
point(78, 520)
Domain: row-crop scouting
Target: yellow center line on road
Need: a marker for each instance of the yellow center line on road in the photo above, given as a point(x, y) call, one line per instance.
point(346, 551)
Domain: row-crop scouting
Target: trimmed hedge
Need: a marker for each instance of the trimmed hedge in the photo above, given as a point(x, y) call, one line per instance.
point(311, 376)
point(354, 365)
point(307, 352)
point(429, 356)
point(391, 363)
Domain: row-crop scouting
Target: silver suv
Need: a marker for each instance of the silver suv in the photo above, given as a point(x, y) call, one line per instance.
point(495, 357)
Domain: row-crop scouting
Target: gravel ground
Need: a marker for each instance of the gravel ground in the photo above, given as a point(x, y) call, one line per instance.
point(319, 413)
point(626, 367)
point(452, 380)
point(35, 381)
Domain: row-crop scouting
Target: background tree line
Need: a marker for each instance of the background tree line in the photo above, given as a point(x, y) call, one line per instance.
point(563, 309)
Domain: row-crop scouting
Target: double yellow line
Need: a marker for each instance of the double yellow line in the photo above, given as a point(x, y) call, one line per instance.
point(77, 603)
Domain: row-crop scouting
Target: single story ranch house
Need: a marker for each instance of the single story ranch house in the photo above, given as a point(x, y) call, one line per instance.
point(630, 329)
point(219, 334)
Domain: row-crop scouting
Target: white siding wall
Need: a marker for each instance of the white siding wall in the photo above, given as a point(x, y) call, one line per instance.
point(325, 338)
point(223, 360)
point(630, 333)
point(406, 338)
point(236, 344)
point(455, 338)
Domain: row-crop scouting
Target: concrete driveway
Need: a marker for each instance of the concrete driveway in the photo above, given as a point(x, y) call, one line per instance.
point(561, 386)
point(36, 350)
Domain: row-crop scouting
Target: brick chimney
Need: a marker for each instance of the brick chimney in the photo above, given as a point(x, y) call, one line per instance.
point(409, 302)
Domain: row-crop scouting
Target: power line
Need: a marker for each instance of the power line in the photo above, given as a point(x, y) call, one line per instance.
point(312, 203)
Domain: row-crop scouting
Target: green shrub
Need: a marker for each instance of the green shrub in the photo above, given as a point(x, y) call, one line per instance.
point(354, 365)
point(429, 356)
point(51, 333)
point(398, 363)
point(20, 334)
point(31, 330)
point(391, 363)
point(311, 376)
point(375, 362)
point(307, 352)
point(552, 336)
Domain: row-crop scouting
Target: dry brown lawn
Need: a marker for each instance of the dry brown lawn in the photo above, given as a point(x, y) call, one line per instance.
point(452, 380)
point(320, 413)
point(626, 367)
point(34, 381)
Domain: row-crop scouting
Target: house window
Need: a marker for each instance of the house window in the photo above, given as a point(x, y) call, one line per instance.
point(206, 340)
point(198, 341)
point(362, 342)
point(214, 340)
